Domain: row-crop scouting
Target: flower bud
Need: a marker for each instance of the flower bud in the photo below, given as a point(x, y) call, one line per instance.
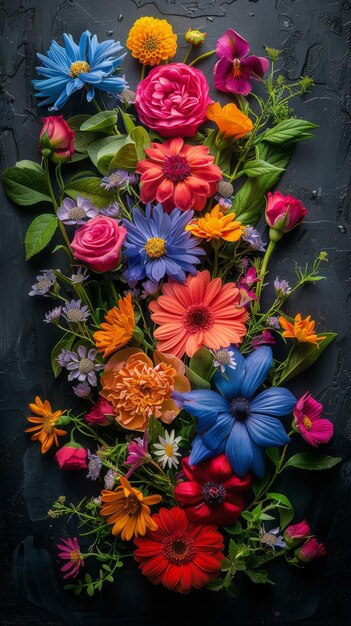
point(294, 534)
point(195, 37)
point(63, 421)
point(56, 139)
point(225, 189)
point(72, 457)
point(101, 414)
point(310, 551)
point(282, 214)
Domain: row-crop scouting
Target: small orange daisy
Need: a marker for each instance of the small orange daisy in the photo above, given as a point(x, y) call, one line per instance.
point(216, 225)
point(127, 509)
point(118, 327)
point(152, 40)
point(45, 430)
point(302, 330)
point(231, 121)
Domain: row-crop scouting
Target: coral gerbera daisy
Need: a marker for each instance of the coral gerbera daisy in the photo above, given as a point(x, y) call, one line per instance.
point(118, 327)
point(152, 40)
point(202, 312)
point(127, 509)
point(180, 554)
point(178, 175)
point(301, 330)
point(216, 225)
point(45, 419)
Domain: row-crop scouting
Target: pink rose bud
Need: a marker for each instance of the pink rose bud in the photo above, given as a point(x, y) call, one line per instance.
point(98, 243)
point(56, 139)
point(283, 213)
point(310, 551)
point(294, 534)
point(72, 457)
point(99, 414)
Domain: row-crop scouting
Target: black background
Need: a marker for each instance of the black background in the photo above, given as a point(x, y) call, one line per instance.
point(315, 38)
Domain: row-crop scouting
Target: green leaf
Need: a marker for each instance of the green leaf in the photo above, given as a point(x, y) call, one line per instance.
point(105, 145)
point(285, 515)
point(154, 431)
point(260, 167)
point(88, 578)
point(233, 550)
point(90, 590)
point(288, 131)
point(265, 517)
point(132, 151)
point(91, 188)
point(313, 461)
point(215, 585)
point(100, 121)
point(25, 184)
point(280, 498)
point(258, 576)
point(242, 103)
point(225, 155)
point(232, 590)
point(127, 120)
point(302, 356)
point(273, 455)
point(202, 363)
point(234, 530)
point(196, 379)
point(39, 234)
point(66, 341)
point(76, 121)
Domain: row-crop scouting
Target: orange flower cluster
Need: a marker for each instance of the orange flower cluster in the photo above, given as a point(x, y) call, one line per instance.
point(118, 327)
point(45, 430)
point(216, 225)
point(302, 330)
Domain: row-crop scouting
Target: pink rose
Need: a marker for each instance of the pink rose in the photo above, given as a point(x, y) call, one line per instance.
point(98, 243)
point(56, 139)
point(283, 213)
point(294, 534)
point(98, 414)
point(72, 457)
point(173, 100)
point(310, 551)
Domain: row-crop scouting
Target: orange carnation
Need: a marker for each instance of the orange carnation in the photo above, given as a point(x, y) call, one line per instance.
point(302, 330)
point(45, 419)
point(138, 388)
point(230, 120)
point(216, 225)
point(118, 327)
point(152, 40)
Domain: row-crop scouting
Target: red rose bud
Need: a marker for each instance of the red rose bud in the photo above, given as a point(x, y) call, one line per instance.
point(294, 534)
point(72, 457)
point(100, 414)
point(56, 139)
point(310, 551)
point(283, 213)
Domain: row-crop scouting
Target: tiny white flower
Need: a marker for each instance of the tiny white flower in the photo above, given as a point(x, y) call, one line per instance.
point(167, 450)
point(223, 358)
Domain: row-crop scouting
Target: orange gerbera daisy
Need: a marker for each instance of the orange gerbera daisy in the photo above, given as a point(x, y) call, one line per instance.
point(202, 312)
point(302, 330)
point(118, 328)
point(127, 509)
point(45, 420)
point(137, 388)
point(230, 120)
point(151, 41)
point(216, 225)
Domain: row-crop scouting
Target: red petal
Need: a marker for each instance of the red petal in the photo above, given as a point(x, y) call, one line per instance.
point(188, 493)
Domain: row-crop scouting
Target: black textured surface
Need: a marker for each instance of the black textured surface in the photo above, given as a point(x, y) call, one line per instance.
point(315, 37)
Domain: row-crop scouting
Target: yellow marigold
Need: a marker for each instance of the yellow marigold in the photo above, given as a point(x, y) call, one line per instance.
point(151, 41)
point(118, 327)
point(127, 509)
point(230, 120)
point(45, 419)
point(216, 225)
point(302, 330)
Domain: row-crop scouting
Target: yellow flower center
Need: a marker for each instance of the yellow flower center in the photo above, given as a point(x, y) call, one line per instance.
point(169, 450)
point(48, 424)
point(307, 422)
point(151, 44)
point(78, 67)
point(74, 556)
point(155, 247)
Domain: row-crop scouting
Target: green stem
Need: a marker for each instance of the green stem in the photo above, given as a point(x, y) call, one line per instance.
point(188, 53)
point(202, 57)
point(262, 274)
point(96, 105)
point(53, 199)
point(143, 70)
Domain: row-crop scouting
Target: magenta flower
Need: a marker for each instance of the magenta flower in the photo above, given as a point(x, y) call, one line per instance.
point(294, 534)
point(137, 454)
point(244, 285)
point(233, 71)
point(283, 213)
point(307, 418)
point(310, 551)
point(264, 339)
point(70, 552)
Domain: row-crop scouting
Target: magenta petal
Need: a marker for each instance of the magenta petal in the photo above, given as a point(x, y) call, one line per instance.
point(255, 66)
point(232, 45)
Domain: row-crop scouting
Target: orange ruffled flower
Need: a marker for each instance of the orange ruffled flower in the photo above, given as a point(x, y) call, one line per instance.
point(216, 225)
point(127, 509)
point(151, 41)
point(230, 120)
point(45, 430)
point(302, 330)
point(118, 328)
point(138, 388)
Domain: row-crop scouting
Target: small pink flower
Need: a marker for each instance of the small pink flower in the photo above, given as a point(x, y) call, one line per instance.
point(56, 138)
point(98, 415)
point(244, 285)
point(283, 213)
point(264, 339)
point(310, 551)
point(98, 243)
point(70, 552)
point(72, 457)
point(137, 454)
point(307, 418)
point(294, 534)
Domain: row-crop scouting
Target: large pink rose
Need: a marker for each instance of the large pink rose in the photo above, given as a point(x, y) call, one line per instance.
point(98, 243)
point(173, 100)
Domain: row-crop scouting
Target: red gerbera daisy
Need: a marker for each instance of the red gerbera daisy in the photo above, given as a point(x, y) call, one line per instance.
point(179, 554)
point(212, 495)
point(178, 175)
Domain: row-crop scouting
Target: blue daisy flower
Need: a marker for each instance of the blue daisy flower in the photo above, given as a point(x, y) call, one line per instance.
point(157, 245)
point(72, 67)
point(235, 422)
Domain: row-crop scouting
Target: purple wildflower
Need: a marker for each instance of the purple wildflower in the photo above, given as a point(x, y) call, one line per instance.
point(223, 358)
point(273, 322)
point(82, 390)
point(260, 340)
point(253, 237)
point(137, 454)
point(53, 317)
point(150, 288)
point(127, 96)
point(80, 276)
point(83, 366)
point(271, 538)
point(75, 212)
point(74, 312)
point(224, 203)
point(64, 357)
point(281, 287)
point(94, 466)
point(110, 479)
point(112, 210)
point(116, 180)
point(45, 281)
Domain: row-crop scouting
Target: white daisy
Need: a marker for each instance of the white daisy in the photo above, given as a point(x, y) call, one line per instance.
point(167, 450)
point(223, 358)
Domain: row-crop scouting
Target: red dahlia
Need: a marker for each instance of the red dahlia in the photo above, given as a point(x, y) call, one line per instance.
point(179, 554)
point(212, 494)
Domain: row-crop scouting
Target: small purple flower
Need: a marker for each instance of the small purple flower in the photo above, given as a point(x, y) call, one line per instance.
point(253, 237)
point(271, 538)
point(45, 281)
point(150, 288)
point(137, 454)
point(82, 390)
point(115, 180)
point(112, 210)
point(83, 366)
point(127, 96)
point(273, 322)
point(94, 466)
point(110, 479)
point(80, 276)
point(264, 339)
point(75, 212)
point(74, 312)
point(53, 317)
point(224, 203)
point(64, 357)
point(281, 287)
point(223, 358)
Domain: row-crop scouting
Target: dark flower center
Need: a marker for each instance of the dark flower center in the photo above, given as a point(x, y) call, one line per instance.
point(151, 44)
point(176, 168)
point(132, 505)
point(213, 493)
point(240, 408)
point(178, 548)
point(198, 318)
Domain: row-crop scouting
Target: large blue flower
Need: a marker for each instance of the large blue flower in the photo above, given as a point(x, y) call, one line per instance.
point(157, 244)
point(233, 421)
point(67, 69)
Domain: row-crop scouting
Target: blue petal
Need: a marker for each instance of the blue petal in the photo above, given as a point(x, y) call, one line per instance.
point(275, 401)
point(231, 388)
point(266, 430)
point(213, 437)
point(199, 452)
point(257, 366)
point(71, 48)
point(238, 449)
point(258, 459)
point(206, 405)
point(84, 40)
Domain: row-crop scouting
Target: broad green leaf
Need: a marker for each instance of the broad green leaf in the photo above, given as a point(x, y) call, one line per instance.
point(100, 121)
point(30, 165)
point(313, 461)
point(285, 517)
point(215, 585)
point(303, 355)
point(233, 550)
point(25, 184)
point(108, 152)
point(197, 380)
point(234, 530)
point(82, 141)
point(39, 234)
point(202, 363)
point(273, 455)
point(258, 576)
point(112, 143)
point(90, 187)
point(243, 103)
point(133, 150)
point(225, 156)
point(66, 341)
point(280, 498)
point(260, 167)
point(76, 121)
point(90, 590)
point(127, 120)
point(288, 131)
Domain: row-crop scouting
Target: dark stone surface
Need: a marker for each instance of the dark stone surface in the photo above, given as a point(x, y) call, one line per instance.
point(315, 38)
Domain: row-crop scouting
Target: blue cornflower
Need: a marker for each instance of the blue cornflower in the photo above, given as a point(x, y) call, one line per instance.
point(157, 244)
point(72, 67)
point(233, 421)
